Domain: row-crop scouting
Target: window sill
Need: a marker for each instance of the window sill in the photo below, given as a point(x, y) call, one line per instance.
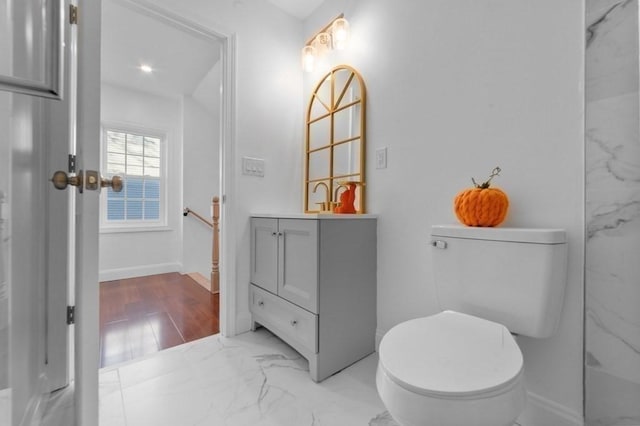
point(127, 229)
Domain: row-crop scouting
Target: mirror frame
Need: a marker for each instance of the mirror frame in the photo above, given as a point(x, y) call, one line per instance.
point(334, 182)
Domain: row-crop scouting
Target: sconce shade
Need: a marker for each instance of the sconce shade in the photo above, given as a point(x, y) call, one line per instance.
point(334, 35)
point(340, 33)
point(322, 44)
point(308, 58)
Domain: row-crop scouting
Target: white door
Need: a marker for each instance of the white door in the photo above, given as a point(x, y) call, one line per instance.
point(59, 127)
point(48, 240)
point(73, 129)
point(87, 219)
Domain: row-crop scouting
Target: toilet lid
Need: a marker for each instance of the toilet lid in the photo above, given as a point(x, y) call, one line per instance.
point(450, 354)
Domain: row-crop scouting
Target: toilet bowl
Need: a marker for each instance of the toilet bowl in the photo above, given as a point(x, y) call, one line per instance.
point(451, 369)
point(462, 366)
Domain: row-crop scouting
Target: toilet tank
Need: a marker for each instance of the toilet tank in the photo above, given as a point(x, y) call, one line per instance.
point(513, 276)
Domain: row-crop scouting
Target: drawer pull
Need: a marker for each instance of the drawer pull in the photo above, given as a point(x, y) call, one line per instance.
point(261, 303)
point(293, 323)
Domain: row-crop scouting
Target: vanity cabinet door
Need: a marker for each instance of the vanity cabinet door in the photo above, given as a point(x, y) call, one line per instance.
point(264, 253)
point(298, 262)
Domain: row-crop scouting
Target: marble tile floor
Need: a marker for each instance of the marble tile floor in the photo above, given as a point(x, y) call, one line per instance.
point(253, 379)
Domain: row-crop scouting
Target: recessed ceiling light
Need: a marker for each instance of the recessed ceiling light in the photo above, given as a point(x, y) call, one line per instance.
point(146, 68)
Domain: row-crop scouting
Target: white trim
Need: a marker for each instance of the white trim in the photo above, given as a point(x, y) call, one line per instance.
point(86, 336)
point(543, 411)
point(243, 322)
point(132, 228)
point(228, 284)
point(139, 271)
point(171, 18)
point(228, 189)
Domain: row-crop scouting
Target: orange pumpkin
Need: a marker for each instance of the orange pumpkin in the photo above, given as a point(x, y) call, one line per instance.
point(482, 205)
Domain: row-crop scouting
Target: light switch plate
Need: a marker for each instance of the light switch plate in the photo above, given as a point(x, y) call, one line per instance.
point(253, 166)
point(381, 158)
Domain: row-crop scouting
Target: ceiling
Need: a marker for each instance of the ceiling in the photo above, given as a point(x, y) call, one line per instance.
point(180, 59)
point(298, 8)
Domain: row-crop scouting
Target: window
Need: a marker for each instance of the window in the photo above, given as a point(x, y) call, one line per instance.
point(136, 156)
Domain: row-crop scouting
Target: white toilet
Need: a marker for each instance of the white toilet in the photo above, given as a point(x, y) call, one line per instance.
point(462, 366)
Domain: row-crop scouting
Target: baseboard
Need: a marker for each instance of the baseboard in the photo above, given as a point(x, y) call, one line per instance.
point(541, 411)
point(379, 335)
point(201, 280)
point(5, 402)
point(138, 271)
point(243, 322)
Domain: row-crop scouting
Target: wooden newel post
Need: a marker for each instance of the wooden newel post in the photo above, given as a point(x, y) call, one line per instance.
point(215, 252)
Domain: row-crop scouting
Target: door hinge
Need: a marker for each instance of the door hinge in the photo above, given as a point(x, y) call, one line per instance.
point(73, 14)
point(71, 315)
point(72, 163)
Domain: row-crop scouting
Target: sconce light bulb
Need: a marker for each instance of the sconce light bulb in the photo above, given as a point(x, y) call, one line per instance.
point(308, 58)
point(340, 32)
point(322, 44)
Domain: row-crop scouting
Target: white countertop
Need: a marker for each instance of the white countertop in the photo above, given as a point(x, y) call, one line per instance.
point(314, 216)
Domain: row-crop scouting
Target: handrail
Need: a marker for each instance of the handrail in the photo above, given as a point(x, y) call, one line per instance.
point(186, 211)
point(215, 249)
point(215, 252)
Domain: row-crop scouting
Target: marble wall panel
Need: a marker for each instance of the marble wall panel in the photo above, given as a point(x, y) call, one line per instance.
point(612, 46)
point(612, 276)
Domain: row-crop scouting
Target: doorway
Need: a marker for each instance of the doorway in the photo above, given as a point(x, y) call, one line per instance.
point(162, 127)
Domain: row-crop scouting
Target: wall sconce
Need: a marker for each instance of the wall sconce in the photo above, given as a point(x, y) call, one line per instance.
point(334, 36)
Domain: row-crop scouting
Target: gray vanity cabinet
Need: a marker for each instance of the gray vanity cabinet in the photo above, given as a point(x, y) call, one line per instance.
point(285, 259)
point(313, 284)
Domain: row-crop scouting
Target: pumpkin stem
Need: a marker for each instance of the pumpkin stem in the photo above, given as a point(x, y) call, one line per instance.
point(485, 185)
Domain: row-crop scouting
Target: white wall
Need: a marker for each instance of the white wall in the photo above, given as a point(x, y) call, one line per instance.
point(129, 254)
point(201, 177)
point(456, 88)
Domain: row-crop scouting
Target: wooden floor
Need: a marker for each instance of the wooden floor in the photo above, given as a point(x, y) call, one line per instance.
point(139, 316)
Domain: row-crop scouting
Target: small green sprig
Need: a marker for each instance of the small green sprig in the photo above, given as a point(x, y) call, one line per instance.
point(485, 185)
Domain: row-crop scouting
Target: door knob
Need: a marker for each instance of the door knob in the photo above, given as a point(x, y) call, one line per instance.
point(115, 183)
point(61, 180)
point(92, 180)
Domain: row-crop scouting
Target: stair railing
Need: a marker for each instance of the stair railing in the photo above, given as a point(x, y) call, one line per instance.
point(215, 249)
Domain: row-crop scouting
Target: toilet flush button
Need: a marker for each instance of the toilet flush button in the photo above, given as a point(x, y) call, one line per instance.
point(439, 244)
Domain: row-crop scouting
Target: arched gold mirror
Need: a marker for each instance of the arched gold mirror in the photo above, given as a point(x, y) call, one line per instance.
point(335, 144)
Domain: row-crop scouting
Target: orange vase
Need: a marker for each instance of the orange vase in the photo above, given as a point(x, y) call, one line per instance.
point(347, 200)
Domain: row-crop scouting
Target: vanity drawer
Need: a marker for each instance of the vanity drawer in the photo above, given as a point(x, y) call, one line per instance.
point(293, 324)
